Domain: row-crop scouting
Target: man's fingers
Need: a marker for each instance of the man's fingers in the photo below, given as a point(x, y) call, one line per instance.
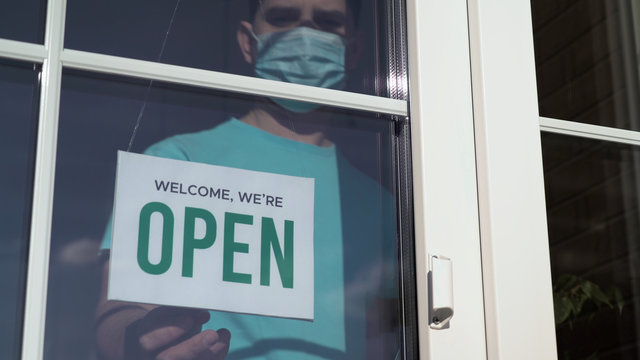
point(163, 326)
point(220, 349)
point(165, 333)
point(198, 346)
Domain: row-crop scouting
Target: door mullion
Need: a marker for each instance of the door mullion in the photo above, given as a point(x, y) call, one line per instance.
point(40, 232)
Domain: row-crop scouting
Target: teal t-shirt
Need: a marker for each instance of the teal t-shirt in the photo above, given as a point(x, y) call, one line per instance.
point(355, 251)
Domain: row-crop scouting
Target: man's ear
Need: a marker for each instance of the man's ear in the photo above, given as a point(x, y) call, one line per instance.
point(245, 39)
point(354, 51)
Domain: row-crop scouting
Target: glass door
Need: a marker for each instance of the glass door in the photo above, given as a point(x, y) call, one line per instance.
point(377, 117)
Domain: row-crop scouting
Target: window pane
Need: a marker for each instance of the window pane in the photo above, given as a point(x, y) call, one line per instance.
point(592, 207)
point(315, 43)
point(349, 154)
point(18, 120)
point(587, 61)
point(23, 20)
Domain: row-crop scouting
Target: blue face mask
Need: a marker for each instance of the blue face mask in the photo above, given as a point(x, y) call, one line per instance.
point(301, 56)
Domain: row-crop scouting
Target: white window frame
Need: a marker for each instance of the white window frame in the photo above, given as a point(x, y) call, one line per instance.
point(473, 96)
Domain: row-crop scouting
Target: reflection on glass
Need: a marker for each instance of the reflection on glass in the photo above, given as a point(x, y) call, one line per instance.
point(18, 116)
point(308, 42)
point(23, 20)
point(592, 207)
point(355, 243)
point(587, 61)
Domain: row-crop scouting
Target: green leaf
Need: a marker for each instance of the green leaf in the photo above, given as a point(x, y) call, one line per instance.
point(595, 293)
point(593, 356)
point(577, 302)
point(562, 308)
point(616, 297)
point(565, 282)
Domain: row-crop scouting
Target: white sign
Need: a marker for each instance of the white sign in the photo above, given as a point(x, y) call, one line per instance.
point(212, 237)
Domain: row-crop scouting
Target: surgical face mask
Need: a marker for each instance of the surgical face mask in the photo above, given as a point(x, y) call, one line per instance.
point(301, 56)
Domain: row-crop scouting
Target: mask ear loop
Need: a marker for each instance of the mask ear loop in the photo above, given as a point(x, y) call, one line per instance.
point(260, 11)
point(253, 35)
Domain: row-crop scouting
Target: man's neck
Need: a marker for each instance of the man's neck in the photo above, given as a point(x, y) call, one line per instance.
point(303, 131)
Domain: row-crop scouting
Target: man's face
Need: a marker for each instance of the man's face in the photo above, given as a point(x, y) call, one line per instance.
point(280, 15)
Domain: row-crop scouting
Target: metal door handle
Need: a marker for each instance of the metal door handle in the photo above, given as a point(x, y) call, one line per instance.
point(440, 291)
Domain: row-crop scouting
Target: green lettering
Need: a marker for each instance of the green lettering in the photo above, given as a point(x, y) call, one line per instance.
point(190, 241)
point(231, 247)
point(167, 238)
point(268, 241)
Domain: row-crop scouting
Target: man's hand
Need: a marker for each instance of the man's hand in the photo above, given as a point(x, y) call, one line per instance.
point(173, 333)
point(132, 331)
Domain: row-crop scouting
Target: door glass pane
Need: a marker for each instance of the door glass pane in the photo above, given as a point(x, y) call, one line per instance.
point(355, 251)
point(308, 42)
point(594, 224)
point(18, 119)
point(23, 20)
point(587, 61)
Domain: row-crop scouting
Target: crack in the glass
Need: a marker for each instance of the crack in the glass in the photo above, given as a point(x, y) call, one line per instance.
point(146, 96)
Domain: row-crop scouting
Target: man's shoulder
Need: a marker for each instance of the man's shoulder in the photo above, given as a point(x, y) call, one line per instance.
point(364, 199)
point(358, 183)
point(188, 146)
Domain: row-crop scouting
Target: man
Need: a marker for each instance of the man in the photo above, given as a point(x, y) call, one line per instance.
point(300, 41)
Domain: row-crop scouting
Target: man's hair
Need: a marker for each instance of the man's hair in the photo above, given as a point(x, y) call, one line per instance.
point(352, 5)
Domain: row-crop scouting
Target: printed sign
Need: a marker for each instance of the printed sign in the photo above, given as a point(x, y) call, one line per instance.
point(212, 237)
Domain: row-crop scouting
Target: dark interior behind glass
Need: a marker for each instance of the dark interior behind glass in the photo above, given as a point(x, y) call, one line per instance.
point(202, 34)
point(23, 20)
point(19, 95)
point(587, 72)
point(586, 61)
point(592, 207)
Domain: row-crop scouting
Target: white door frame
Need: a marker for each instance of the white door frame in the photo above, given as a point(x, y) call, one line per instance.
point(515, 248)
point(494, 59)
point(444, 174)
